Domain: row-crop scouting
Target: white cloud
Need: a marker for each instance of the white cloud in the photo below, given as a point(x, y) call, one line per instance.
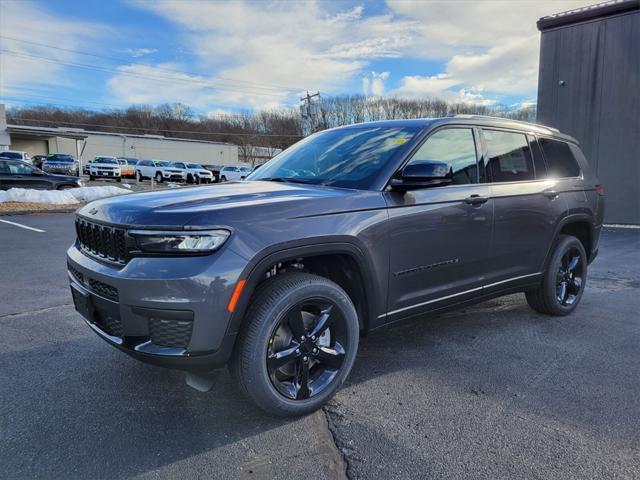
point(141, 52)
point(490, 47)
point(373, 83)
point(21, 72)
point(296, 45)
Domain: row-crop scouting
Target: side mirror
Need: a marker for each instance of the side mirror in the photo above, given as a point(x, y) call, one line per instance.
point(423, 174)
point(37, 172)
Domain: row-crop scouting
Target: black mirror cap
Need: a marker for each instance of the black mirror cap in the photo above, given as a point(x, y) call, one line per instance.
point(423, 174)
point(426, 170)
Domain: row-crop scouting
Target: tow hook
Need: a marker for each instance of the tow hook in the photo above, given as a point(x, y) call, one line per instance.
point(203, 382)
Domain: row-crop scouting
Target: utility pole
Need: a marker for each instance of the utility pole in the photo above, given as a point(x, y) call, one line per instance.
point(309, 111)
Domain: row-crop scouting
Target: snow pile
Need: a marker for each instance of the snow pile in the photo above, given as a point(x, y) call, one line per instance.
point(59, 197)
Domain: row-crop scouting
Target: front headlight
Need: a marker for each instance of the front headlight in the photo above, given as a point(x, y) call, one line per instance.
point(179, 242)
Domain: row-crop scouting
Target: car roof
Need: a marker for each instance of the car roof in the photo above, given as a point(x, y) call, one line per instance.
point(479, 120)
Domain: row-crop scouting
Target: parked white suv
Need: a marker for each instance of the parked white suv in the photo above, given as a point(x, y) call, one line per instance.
point(230, 173)
point(105, 167)
point(160, 170)
point(196, 173)
point(16, 155)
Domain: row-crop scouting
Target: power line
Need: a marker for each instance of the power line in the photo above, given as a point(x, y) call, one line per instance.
point(156, 129)
point(81, 103)
point(157, 78)
point(122, 60)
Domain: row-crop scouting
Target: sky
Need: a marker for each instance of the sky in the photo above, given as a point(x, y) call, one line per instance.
point(235, 56)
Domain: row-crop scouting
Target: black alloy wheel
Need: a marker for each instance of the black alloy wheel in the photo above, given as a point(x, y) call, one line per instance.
point(298, 342)
point(569, 277)
point(306, 349)
point(564, 280)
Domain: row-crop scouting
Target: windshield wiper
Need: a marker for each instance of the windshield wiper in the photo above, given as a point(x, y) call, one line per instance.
point(287, 179)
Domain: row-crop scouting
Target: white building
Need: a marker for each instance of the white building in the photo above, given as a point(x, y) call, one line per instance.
point(86, 144)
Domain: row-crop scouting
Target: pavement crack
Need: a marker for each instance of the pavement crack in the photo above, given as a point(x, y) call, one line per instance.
point(340, 450)
point(37, 310)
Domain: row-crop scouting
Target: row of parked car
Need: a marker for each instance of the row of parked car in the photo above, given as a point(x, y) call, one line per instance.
point(118, 168)
point(162, 170)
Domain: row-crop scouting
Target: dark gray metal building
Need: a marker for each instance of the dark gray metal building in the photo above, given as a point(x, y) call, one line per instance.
point(589, 87)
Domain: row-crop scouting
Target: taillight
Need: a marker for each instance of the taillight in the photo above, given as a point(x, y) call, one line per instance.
point(599, 189)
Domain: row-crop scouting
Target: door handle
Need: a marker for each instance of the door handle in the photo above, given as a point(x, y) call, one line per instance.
point(476, 199)
point(551, 194)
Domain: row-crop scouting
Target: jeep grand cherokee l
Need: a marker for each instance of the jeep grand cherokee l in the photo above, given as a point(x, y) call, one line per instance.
point(347, 231)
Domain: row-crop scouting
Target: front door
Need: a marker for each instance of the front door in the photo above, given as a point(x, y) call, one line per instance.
point(440, 237)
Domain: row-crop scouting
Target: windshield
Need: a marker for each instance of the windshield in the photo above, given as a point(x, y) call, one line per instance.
point(161, 163)
point(15, 155)
point(347, 157)
point(60, 158)
point(194, 165)
point(107, 160)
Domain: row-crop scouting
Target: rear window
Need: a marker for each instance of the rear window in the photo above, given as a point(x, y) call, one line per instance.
point(559, 157)
point(509, 156)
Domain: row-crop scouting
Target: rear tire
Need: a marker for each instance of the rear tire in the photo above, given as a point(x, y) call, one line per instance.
point(139, 175)
point(285, 312)
point(119, 179)
point(223, 178)
point(564, 280)
point(91, 178)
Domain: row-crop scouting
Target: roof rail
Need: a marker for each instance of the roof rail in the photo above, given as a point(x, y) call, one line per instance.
point(489, 117)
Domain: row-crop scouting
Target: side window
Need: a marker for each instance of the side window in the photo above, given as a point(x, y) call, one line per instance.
point(4, 168)
point(179, 165)
point(457, 148)
point(19, 168)
point(560, 159)
point(509, 156)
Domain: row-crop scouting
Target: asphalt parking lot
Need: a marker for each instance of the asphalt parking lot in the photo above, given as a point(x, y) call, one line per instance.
point(491, 391)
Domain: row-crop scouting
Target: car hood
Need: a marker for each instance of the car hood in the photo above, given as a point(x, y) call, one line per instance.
point(227, 204)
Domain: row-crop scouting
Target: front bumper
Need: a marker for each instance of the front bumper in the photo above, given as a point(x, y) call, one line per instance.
point(178, 322)
point(105, 173)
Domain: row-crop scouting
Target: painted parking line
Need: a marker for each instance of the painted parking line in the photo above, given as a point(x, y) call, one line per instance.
point(23, 226)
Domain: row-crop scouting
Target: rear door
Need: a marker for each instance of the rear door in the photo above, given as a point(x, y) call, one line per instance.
point(526, 206)
point(440, 236)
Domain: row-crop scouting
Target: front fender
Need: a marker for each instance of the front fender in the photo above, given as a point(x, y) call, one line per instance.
point(255, 271)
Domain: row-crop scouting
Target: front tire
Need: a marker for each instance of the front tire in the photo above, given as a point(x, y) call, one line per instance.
point(139, 175)
point(564, 280)
point(159, 178)
point(298, 344)
point(91, 178)
point(223, 178)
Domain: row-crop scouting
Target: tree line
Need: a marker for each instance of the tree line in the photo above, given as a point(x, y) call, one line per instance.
point(276, 129)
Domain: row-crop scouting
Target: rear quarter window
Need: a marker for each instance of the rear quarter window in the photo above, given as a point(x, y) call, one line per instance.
point(560, 160)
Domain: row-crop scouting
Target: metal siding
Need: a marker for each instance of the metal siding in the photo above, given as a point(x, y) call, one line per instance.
point(599, 62)
point(619, 149)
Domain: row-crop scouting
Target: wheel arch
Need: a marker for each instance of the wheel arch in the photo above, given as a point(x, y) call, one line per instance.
point(581, 226)
point(355, 278)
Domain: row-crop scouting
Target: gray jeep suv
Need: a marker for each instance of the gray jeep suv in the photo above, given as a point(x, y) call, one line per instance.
point(345, 232)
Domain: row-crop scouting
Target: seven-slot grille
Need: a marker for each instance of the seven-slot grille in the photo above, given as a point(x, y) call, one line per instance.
point(102, 240)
